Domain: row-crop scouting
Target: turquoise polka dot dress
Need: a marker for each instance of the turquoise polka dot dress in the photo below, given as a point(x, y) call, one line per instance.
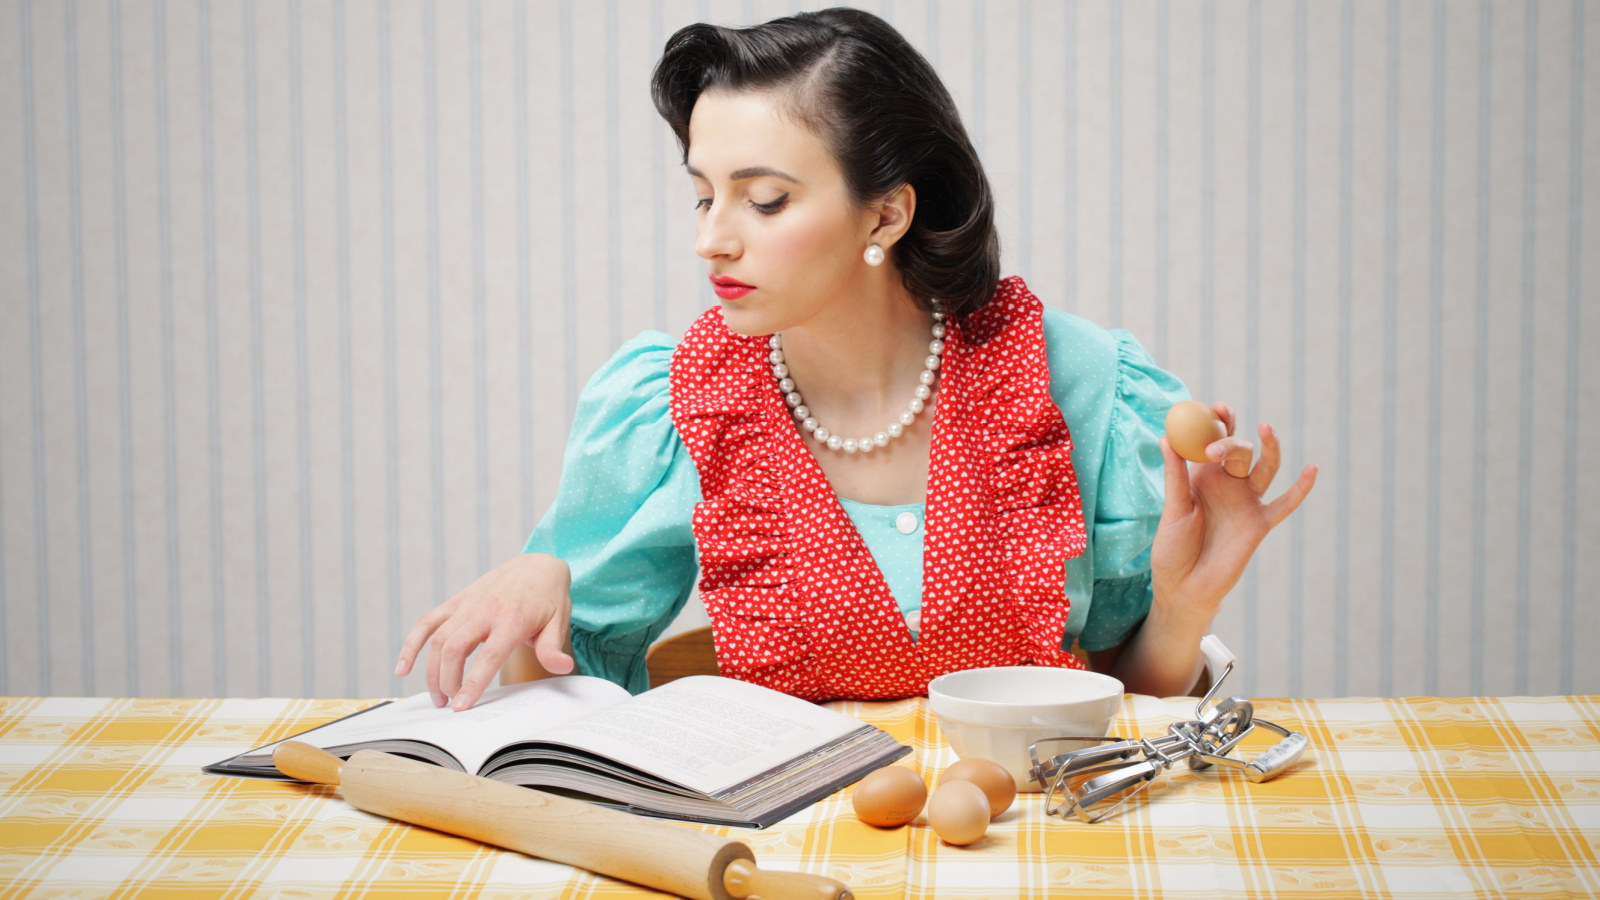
point(622, 518)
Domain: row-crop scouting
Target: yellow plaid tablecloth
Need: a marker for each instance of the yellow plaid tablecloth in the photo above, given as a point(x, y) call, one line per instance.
point(1415, 798)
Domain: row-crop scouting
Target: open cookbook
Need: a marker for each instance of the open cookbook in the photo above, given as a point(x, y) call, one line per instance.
point(704, 748)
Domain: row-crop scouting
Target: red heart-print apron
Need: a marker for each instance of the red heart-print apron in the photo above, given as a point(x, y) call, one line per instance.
point(797, 602)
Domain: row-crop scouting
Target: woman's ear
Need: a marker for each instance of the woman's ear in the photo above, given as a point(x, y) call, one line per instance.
point(894, 216)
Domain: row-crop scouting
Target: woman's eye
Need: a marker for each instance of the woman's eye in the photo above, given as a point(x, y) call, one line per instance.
point(774, 206)
point(767, 208)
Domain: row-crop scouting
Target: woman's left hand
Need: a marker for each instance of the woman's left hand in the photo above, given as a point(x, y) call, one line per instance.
point(1213, 519)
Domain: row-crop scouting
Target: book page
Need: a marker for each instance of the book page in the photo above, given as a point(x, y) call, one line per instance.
point(706, 732)
point(503, 715)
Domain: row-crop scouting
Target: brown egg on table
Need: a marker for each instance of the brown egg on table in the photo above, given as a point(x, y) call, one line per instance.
point(1193, 426)
point(959, 812)
point(889, 797)
point(990, 777)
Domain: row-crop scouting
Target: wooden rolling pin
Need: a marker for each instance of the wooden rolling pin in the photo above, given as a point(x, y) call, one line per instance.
point(657, 854)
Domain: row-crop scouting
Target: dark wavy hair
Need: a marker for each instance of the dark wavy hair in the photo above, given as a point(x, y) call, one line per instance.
point(878, 105)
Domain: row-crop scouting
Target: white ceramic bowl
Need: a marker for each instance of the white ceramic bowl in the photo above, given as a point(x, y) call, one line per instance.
point(996, 713)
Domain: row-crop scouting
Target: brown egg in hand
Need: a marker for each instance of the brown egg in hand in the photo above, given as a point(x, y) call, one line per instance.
point(959, 812)
point(891, 796)
point(990, 777)
point(1193, 426)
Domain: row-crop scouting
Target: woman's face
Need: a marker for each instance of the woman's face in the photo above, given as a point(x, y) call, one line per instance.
point(774, 214)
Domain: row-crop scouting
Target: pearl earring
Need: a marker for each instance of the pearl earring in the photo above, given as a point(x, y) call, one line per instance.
point(874, 255)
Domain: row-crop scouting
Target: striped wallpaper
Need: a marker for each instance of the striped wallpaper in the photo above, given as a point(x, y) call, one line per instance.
point(296, 300)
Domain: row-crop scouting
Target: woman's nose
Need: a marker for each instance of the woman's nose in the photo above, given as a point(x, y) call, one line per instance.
point(715, 236)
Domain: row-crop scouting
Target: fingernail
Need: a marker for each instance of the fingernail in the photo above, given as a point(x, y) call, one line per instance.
point(399, 667)
point(438, 700)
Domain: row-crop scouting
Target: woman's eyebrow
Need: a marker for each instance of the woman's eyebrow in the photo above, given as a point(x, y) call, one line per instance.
point(749, 172)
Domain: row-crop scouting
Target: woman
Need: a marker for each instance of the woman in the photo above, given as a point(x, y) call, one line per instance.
point(885, 461)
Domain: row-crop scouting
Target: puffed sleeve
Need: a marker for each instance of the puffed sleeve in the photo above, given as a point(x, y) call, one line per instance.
point(1131, 489)
point(622, 517)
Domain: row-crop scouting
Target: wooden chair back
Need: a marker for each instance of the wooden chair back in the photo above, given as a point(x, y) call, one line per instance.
point(693, 653)
point(682, 655)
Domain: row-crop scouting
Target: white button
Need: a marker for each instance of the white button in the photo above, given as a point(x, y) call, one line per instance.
point(906, 522)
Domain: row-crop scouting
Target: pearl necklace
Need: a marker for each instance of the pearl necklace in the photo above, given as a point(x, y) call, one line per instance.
point(802, 413)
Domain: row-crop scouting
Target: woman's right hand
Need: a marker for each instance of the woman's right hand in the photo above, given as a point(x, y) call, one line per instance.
point(526, 598)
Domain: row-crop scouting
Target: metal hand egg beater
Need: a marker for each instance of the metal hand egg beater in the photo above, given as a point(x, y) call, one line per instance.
point(1093, 782)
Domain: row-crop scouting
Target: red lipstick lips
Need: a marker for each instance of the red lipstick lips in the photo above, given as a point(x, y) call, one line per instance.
point(729, 288)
